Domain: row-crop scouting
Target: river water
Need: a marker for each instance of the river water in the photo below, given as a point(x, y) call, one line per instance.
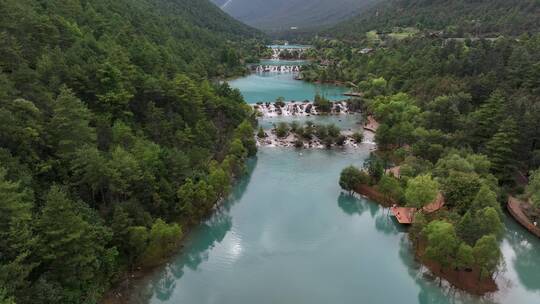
point(267, 87)
point(287, 235)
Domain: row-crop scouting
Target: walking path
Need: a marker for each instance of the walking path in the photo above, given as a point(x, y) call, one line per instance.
point(515, 207)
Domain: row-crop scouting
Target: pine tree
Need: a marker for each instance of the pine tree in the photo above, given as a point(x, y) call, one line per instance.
point(91, 172)
point(421, 191)
point(485, 198)
point(4, 298)
point(14, 211)
point(464, 256)
point(490, 222)
point(442, 242)
point(533, 188)
point(467, 229)
point(501, 150)
point(487, 255)
point(71, 250)
point(70, 124)
point(487, 118)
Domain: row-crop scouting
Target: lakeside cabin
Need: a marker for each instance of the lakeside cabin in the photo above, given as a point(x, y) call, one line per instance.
point(405, 215)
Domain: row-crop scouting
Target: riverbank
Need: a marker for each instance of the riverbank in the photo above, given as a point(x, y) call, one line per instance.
point(373, 194)
point(289, 220)
point(468, 280)
point(121, 289)
point(518, 210)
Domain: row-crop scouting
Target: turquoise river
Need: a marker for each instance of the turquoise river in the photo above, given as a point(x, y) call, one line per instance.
point(264, 87)
point(287, 235)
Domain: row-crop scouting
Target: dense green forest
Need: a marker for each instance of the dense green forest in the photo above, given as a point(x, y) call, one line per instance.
point(458, 18)
point(467, 94)
point(459, 116)
point(113, 136)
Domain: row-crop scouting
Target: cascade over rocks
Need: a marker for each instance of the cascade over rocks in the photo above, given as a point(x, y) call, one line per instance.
point(294, 108)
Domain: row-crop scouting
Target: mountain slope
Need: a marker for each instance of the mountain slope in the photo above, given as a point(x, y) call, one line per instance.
point(283, 14)
point(112, 137)
point(206, 15)
point(457, 18)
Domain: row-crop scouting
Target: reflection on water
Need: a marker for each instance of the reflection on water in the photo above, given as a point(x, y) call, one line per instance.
point(350, 204)
point(199, 242)
point(267, 87)
point(289, 235)
point(349, 122)
point(525, 260)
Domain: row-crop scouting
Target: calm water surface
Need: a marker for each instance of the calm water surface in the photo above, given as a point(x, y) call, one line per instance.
point(288, 235)
point(351, 122)
point(269, 86)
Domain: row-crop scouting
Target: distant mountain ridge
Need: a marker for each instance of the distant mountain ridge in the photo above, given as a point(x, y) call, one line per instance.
point(284, 14)
point(457, 17)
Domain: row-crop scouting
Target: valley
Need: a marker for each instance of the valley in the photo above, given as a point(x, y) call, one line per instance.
point(233, 151)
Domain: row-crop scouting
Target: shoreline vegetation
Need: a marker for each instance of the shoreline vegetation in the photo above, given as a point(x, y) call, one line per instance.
point(459, 117)
point(120, 290)
point(435, 241)
point(521, 212)
point(309, 135)
point(114, 139)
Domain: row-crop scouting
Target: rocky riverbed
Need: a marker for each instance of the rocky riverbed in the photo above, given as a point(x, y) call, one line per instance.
point(293, 140)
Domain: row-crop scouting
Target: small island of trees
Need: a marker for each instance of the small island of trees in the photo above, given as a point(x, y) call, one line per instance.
point(308, 135)
point(462, 237)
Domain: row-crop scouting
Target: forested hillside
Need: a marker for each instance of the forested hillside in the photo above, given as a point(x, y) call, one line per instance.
point(279, 15)
point(481, 95)
point(457, 18)
point(454, 89)
point(112, 137)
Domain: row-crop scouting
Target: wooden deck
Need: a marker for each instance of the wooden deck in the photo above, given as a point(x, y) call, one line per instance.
point(371, 124)
point(514, 207)
point(436, 205)
point(405, 215)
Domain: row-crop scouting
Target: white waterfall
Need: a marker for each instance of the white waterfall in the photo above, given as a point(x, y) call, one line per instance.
point(277, 69)
point(297, 109)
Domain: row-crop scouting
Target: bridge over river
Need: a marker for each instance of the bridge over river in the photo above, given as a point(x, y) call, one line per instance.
point(278, 50)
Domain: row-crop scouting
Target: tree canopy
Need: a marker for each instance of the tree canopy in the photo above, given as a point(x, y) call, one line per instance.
point(114, 134)
point(421, 191)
